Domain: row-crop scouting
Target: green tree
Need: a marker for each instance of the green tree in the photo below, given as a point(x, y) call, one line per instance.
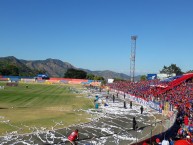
point(101, 79)
point(9, 70)
point(13, 69)
point(74, 73)
point(143, 78)
point(165, 70)
point(98, 78)
point(190, 71)
point(90, 76)
point(118, 79)
point(171, 69)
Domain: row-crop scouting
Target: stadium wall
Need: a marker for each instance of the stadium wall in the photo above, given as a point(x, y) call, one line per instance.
point(28, 80)
point(49, 81)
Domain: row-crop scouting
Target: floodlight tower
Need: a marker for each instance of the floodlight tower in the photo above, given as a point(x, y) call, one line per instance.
point(132, 57)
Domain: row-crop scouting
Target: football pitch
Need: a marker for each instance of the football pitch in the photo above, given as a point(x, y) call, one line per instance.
point(41, 106)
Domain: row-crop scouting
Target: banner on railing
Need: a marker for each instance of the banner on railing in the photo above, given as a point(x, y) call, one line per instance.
point(155, 106)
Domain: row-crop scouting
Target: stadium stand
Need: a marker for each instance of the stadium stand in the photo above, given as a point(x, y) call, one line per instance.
point(176, 92)
point(176, 81)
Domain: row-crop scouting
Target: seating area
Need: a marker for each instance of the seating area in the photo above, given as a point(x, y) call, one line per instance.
point(144, 89)
point(178, 91)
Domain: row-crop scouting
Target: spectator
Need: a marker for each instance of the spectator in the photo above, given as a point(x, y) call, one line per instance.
point(73, 137)
point(188, 139)
point(141, 108)
point(171, 141)
point(124, 104)
point(165, 142)
point(113, 98)
point(158, 142)
point(130, 104)
point(134, 124)
point(186, 121)
point(144, 143)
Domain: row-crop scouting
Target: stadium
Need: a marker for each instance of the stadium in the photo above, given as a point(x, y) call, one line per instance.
point(69, 73)
point(167, 111)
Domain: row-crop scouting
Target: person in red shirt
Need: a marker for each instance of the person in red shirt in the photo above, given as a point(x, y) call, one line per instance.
point(186, 121)
point(73, 137)
point(144, 143)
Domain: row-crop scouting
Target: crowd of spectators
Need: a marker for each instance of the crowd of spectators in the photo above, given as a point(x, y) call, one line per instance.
point(180, 96)
point(144, 89)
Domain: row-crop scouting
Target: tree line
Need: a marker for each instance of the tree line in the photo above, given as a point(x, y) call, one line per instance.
point(14, 70)
point(80, 74)
point(173, 68)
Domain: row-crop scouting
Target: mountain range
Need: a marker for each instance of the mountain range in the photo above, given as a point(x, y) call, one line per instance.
point(54, 67)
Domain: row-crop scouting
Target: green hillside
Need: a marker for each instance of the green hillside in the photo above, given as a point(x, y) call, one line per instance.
point(52, 67)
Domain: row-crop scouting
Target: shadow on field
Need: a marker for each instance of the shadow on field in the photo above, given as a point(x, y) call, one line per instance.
point(3, 108)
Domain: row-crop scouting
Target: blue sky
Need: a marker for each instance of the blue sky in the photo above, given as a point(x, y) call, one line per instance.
point(95, 34)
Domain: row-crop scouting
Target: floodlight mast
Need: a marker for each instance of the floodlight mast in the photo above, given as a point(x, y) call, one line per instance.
point(132, 57)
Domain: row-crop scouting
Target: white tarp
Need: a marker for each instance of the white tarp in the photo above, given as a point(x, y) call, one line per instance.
point(110, 80)
point(164, 76)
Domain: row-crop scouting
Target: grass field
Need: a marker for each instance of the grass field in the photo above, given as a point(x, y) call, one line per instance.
point(40, 105)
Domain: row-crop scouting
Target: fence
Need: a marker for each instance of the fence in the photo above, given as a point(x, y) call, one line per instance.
point(162, 129)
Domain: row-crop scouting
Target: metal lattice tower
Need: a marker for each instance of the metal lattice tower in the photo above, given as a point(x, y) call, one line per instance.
point(132, 57)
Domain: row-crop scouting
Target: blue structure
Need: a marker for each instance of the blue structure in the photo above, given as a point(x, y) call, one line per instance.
point(43, 76)
point(13, 78)
point(151, 76)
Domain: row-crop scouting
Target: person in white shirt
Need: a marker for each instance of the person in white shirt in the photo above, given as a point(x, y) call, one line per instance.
point(165, 142)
